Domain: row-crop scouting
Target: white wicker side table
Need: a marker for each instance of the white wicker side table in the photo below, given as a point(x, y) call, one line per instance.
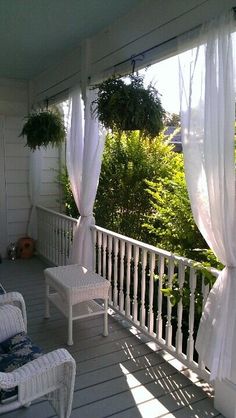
point(72, 289)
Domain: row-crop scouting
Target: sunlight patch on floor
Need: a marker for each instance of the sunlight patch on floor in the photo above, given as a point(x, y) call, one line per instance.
point(141, 395)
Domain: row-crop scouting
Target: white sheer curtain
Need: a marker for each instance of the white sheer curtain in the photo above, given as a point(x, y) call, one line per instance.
point(84, 153)
point(35, 174)
point(207, 75)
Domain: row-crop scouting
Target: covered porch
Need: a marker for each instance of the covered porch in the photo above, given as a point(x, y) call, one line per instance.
point(147, 366)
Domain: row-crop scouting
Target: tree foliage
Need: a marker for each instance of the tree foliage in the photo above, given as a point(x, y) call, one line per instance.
point(142, 194)
point(171, 220)
point(172, 119)
point(123, 202)
point(67, 195)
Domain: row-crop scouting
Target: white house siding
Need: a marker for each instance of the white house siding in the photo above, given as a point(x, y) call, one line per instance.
point(50, 191)
point(16, 178)
point(3, 219)
point(14, 166)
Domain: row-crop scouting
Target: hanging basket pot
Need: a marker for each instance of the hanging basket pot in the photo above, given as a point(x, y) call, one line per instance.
point(124, 107)
point(43, 128)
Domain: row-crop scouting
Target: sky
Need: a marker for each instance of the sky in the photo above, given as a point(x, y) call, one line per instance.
point(165, 78)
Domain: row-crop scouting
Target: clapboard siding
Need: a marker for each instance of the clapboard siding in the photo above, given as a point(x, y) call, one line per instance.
point(49, 176)
point(17, 176)
point(3, 203)
point(9, 108)
point(18, 215)
point(14, 166)
point(50, 189)
point(14, 163)
point(51, 163)
point(12, 229)
point(14, 189)
point(16, 150)
point(13, 134)
point(50, 152)
point(18, 202)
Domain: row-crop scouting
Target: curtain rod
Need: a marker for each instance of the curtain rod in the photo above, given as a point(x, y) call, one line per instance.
point(54, 97)
point(142, 54)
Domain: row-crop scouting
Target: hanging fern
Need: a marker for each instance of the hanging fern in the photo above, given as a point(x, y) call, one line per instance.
point(43, 128)
point(124, 107)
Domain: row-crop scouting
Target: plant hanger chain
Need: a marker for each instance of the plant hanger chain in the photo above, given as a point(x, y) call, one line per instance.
point(134, 59)
point(133, 63)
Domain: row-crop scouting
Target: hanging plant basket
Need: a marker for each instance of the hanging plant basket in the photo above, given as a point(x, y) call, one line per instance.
point(128, 107)
point(43, 128)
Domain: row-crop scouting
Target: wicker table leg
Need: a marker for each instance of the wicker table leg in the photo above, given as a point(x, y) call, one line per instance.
point(105, 332)
point(47, 310)
point(70, 326)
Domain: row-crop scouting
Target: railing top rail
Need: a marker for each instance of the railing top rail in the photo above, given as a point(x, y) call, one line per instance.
point(156, 250)
point(61, 215)
point(188, 262)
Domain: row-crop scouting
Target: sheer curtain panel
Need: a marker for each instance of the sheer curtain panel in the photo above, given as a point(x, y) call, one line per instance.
point(85, 145)
point(207, 76)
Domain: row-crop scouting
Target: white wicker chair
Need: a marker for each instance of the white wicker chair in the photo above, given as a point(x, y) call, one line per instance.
point(13, 298)
point(51, 374)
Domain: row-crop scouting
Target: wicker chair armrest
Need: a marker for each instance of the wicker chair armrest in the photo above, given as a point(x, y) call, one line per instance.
point(35, 367)
point(52, 373)
point(11, 322)
point(15, 298)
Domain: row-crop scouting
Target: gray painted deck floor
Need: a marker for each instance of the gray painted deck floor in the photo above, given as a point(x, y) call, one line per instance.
point(122, 375)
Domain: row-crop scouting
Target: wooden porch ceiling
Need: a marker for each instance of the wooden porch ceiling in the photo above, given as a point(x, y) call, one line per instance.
point(41, 36)
point(122, 375)
point(36, 34)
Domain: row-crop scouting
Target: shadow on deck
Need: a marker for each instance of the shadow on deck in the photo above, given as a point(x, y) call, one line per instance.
point(122, 375)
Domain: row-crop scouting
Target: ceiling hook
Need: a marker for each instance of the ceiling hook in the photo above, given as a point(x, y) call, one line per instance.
point(134, 59)
point(133, 63)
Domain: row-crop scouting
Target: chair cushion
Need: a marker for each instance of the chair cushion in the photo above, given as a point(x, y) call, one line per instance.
point(16, 351)
point(21, 345)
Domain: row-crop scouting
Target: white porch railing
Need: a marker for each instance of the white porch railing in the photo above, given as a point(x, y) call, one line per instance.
point(55, 235)
point(138, 272)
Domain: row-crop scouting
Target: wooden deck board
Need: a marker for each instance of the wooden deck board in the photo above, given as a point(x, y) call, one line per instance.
point(122, 375)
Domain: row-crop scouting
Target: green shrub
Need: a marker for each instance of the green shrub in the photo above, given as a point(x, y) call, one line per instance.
point(142, 194)
point(122, 202)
